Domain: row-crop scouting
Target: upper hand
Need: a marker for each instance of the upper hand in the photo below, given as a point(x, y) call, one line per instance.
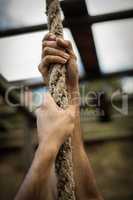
point(58, 50)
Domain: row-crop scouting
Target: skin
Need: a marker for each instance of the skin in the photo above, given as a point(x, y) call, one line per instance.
point(40, 182)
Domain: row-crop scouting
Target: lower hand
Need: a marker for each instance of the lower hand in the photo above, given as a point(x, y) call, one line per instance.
point(54, 124)
point(57, 50)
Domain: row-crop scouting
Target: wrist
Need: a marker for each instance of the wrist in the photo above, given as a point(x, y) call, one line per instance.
point(50, 145)
point(46, 151)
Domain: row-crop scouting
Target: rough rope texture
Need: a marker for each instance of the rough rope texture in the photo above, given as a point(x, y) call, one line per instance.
point(57, 88)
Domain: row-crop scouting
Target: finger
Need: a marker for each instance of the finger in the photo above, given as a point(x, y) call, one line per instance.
point(67, 46)
point(52, 60)
point(52, 44)
point(64, 43)
point(48, 38)
point(55, 52)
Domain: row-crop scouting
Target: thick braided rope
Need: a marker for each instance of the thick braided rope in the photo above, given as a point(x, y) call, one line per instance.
point(57, 88)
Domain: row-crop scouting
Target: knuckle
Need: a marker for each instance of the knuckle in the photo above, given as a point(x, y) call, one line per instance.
point(46, 59)
point(46, 50)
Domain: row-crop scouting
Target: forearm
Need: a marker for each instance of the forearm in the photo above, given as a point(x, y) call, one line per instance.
point(83, 174)
point(38, 176)
point(86, 187)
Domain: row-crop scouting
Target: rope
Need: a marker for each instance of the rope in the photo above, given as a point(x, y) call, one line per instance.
point(58, 89)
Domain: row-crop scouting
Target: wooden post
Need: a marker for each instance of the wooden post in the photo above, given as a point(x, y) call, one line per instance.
point(58, 89)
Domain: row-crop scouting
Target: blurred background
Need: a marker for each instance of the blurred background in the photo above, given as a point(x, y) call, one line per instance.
point(102, 36)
